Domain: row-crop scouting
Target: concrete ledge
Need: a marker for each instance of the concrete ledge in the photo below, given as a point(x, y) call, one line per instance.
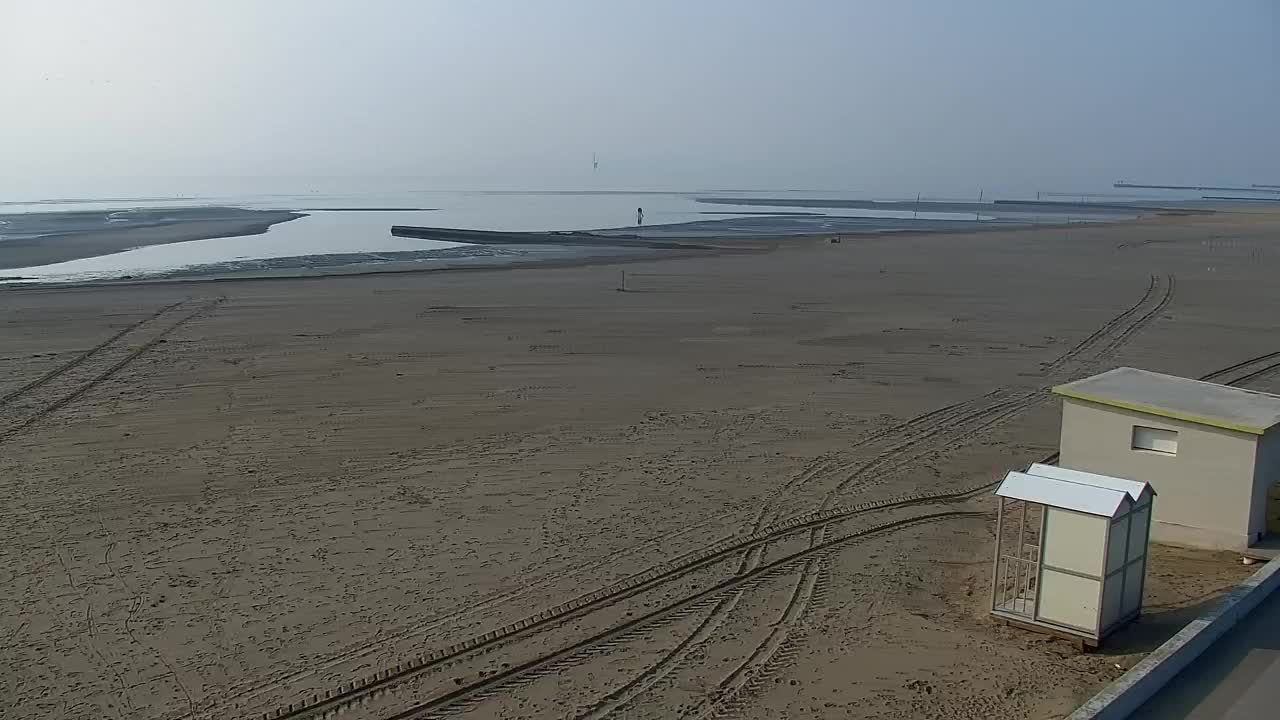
point(1119, 699)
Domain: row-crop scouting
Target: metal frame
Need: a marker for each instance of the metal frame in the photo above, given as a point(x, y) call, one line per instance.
point(1106, 557)
point(995, 563)
point(1025, 570)
point(1106, 562)
point(1044, 527)
point(1146, 551)
point(1129, 562)
point(1073, 573)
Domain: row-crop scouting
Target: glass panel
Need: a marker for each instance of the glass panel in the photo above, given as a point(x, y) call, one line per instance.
point(1155, 439)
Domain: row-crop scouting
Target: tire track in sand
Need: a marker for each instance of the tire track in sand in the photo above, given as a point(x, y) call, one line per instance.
point(934, 431)
point(959, 417)
point(468, 695)
point(356, 692)
point(35, 401)
point(53, 374)
point(1108, 339)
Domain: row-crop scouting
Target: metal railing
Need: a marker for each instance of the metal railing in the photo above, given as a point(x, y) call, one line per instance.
point(1017, 581)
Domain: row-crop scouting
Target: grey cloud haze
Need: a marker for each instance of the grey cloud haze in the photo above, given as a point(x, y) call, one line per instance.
point(889, 96)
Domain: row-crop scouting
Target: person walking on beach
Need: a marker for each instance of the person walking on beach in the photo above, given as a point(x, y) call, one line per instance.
point(639, 216)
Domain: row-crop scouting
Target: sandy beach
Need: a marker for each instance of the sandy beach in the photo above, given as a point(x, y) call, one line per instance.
point(752, 483)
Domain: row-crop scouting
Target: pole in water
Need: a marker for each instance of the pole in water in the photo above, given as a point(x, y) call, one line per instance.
point(915, 213)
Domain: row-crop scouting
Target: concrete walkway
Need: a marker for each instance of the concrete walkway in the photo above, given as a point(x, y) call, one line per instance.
point(1237, 678)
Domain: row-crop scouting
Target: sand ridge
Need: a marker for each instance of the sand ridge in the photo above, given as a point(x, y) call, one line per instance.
point(730, 490)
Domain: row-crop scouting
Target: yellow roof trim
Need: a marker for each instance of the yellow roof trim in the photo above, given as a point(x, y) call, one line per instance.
point(1160, 412)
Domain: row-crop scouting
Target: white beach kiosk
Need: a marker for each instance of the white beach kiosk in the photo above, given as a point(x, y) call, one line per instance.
point(1071, 551)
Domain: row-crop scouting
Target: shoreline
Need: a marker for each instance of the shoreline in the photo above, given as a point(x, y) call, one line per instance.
point(627, 251)
point(322, 274)
point(630, 254)
point(35, 239)
point(68, 236)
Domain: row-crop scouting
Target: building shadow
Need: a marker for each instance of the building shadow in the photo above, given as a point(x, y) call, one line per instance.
point(1155, 626)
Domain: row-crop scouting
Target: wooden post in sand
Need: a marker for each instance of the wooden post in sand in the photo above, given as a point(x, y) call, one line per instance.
point(623, 286)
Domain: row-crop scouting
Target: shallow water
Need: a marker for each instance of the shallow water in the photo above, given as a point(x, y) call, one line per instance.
point(328, 231)
point(514, 211)
point(321, 233)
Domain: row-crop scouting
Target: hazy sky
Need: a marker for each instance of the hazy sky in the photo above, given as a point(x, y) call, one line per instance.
point(883, 95)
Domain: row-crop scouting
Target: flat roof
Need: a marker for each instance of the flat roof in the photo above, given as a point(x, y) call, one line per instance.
point(1194, 401)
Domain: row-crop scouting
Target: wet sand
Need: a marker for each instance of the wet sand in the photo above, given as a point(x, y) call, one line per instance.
point(523, 493)
point(991, 207)
point(27, 240)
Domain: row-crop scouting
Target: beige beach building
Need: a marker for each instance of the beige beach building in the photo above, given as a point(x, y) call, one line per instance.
point(1210, 451)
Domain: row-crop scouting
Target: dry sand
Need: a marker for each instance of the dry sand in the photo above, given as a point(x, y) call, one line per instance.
point(526, 494)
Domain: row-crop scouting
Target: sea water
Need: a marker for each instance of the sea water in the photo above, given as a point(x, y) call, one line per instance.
point(354, 222)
